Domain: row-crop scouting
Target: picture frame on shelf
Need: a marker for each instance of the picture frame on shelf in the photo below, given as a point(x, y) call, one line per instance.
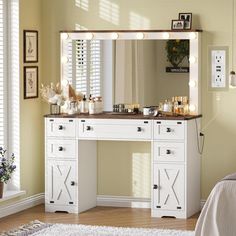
point(30, 46)
point(30, 82)
point(177, 24)
point(187, 18)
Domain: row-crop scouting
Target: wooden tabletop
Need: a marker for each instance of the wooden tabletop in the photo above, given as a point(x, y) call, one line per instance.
point(116, 115)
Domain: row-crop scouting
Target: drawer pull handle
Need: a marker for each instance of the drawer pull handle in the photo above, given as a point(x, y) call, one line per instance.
point(60, 127)
point(88, 128)
point(179, 208)
point(168, 130)
point(168, 151)
point(72, 183)
point(139, 129)
point(60, 149)
point(155, 186)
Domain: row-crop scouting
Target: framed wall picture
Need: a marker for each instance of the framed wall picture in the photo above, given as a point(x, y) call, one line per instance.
point(187, 17)
point(30, 82)
point(30, 46)
point(177, 24)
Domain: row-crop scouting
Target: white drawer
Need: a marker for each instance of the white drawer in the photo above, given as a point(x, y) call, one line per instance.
point(60, 127)
point(61, 148)
point(169, 130)
point(170, 152)
point(119, 129)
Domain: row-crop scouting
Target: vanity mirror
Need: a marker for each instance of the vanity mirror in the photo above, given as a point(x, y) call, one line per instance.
point(129, 66)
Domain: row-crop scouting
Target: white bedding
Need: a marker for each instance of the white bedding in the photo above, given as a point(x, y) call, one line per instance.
point(218, 216)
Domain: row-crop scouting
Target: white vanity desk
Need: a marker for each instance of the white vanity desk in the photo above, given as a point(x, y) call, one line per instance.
point(70, 153)
point(71, 160)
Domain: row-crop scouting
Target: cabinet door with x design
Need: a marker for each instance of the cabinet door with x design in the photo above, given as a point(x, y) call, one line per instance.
point(168, 185)
point(61, 183)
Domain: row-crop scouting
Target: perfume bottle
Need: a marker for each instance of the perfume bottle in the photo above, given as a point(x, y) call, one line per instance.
point(84, 105)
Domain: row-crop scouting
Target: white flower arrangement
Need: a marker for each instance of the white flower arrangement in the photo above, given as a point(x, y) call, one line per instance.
point(52, 94)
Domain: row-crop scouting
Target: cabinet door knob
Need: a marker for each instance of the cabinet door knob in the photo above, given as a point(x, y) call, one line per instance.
point(60, 149)
point(72, 183)
point(88, 127)
point(168, 130)
point(168, 151)
point(155, 186)
point(60, 127)
point(139, 129)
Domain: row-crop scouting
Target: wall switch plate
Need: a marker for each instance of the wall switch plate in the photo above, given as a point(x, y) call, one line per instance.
point(218, 67)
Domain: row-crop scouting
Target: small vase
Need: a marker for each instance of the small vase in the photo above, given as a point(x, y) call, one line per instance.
point(1, 189)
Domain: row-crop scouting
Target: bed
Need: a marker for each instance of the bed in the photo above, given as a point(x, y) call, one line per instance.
point(218, 216)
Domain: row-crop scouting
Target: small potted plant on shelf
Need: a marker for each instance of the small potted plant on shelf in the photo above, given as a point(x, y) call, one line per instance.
point(7, 167)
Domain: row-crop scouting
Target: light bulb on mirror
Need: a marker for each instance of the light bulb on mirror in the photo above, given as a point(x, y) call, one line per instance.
point(64, 59)
point(192, 83)
point(89, 36)
point(192, 35)
point(192, 108)
point(166, 35)
point(140, 35)
point(192, 59)
point(114, 36)
point(64, 36)
point(232, 79)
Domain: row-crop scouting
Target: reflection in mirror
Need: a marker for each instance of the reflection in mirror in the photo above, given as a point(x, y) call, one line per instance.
point(132, 71)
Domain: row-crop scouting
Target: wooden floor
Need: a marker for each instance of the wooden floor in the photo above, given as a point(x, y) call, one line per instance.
point(109, 216)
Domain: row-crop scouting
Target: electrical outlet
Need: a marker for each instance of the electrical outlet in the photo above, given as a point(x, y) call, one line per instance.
point(218, 59)
point(219, 68)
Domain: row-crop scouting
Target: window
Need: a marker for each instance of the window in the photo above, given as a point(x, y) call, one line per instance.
point(9, 82)
point(85, 66)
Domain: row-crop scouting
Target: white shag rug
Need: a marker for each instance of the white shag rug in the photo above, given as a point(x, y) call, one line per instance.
point(38, 228)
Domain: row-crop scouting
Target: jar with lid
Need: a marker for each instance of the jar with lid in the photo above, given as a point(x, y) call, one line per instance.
point(98, 105)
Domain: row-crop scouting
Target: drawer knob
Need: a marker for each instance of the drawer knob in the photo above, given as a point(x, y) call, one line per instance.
point(168, 130)
point(88, 127)
point(139, 129)
point(60, 149)
point(155, 186)
point(60, 127)
point(72, 183)
point(168, 151)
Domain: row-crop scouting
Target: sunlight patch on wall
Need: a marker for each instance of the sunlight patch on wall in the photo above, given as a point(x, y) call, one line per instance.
point(137, 21)
point(109, 11)
point(80, 27)
point(141, 175)
point(83, 4)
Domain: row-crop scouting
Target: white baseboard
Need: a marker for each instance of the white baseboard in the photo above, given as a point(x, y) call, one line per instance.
point(122, 201)
point(21, 205)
